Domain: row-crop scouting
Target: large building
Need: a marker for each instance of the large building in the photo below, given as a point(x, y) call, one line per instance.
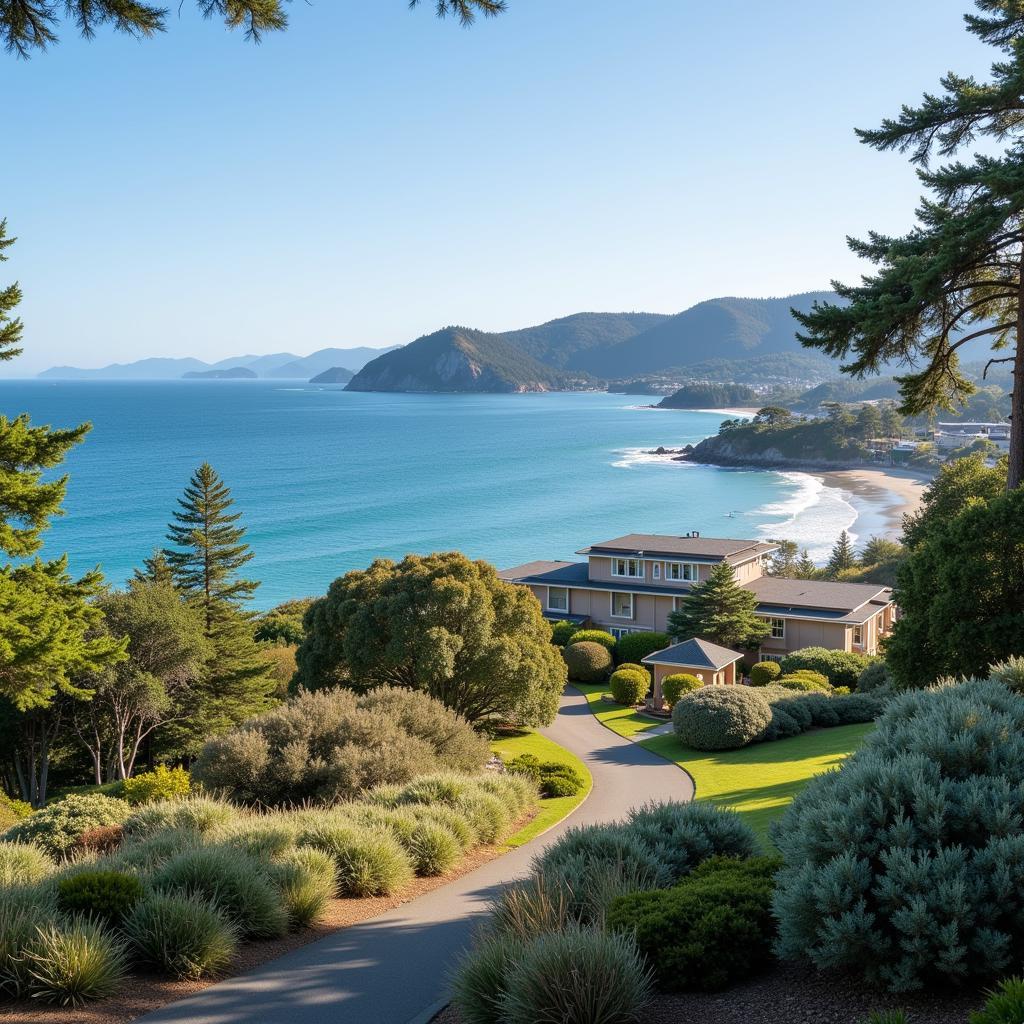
point(632, 583)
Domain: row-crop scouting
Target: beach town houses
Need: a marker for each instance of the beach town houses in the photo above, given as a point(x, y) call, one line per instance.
point(632, 583)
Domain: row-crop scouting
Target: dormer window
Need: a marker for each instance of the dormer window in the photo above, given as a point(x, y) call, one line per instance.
point(683, 572)
point(631, 568)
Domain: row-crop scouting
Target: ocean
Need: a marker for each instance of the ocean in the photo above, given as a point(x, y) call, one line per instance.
point(328, 480)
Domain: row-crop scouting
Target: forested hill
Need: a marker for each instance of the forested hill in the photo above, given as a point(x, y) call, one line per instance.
point(711, 396)
point(725, 328)
point(565, 343)
point(458, 359)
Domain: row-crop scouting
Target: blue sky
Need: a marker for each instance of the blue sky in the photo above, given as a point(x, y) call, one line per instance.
point(373, 174)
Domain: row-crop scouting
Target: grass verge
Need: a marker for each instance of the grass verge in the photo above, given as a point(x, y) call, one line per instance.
point(760, 781)
point(624, 721)
point(550, 812)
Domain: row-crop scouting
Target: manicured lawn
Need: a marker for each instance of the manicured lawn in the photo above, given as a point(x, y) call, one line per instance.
point(761, 780)
point(551, 811)
point(624, 721)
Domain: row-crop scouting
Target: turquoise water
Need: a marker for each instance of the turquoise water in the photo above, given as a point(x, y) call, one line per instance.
point(327, 480)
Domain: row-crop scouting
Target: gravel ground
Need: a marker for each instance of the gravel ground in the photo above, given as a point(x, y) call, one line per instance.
point(795, 995)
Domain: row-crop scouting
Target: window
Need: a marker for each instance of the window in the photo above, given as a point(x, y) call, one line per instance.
point(620, 631)
point(622, 606)
point(686, 572)
point(656, 570)
point(858, 636)
point(772, 657)
point(778, 629)
point(631, 567)
point(558, 599)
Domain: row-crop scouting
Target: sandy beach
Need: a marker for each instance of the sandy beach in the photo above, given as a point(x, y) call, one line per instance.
point(891, 493)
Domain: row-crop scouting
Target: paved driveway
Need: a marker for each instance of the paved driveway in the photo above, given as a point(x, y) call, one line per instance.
point(392, 969)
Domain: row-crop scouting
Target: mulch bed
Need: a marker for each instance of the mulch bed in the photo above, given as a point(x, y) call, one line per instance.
point(143, 993)
point(791, 994)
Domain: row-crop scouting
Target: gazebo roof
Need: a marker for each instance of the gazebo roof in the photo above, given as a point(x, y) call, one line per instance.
point(694, 653)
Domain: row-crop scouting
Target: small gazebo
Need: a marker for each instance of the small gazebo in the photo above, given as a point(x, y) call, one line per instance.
point(711, 664)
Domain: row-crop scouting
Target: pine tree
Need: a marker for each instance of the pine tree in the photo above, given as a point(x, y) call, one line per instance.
point(155, 569)
point(719, 610)
point(842, 556)
point(211, 548)
point(10, 327)
point(805, 567)
point(238, 680)
point(957, 276)
point(784, 561)
point(869, 422)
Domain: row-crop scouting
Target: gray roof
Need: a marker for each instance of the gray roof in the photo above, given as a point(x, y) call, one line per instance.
point(816, 594)
point(695, 653)
point(714, 549)
point(577, 574)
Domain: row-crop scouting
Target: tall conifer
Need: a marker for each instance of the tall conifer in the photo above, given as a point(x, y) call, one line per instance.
point(719, 610)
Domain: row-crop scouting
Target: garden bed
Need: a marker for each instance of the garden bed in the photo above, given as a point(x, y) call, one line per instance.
point(791, 994)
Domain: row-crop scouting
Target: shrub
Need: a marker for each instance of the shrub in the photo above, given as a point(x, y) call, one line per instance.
point(685, 835)
point(675, 685)
point(265, 837)
point(517, 793)
point(805, 680)
point(587, 662)
point(24, 911)
point(99, 841)
point(12, 810)
point(578, 976)
point(794, 712)
point(58, 825)
point(709, 931)
point(561, 632)
point(486, 813)
point(558, 780)
point(840, 668)
point(917, 837)
point(629, 687)
point(720, 717)
point(595, 636)
point(765, 672)
point(105, 895)
point(147, 853)
point(434, 849)
point(1010, 673)
point(199, 814)
point(368, 862)
point(875, 677)
point(233, 882)
point(636, 646)
point(162, 783)
point(1005, 1005)
point(22, 864)
point(480, 978)
point(331, 745)
point(887, 1017)
point(529, 909)
point(73, 963)
point(635, 666)
point(451, 819)
point(182, 935)
point(305, 879)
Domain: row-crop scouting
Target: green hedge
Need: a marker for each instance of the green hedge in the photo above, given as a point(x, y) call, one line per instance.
point(636, 646)
point(721, 717)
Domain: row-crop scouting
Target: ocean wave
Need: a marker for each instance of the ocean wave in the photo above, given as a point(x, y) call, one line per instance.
point(813, 515)
point(628, 458)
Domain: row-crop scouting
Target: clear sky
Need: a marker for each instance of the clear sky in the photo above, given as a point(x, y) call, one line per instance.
point(373, 173)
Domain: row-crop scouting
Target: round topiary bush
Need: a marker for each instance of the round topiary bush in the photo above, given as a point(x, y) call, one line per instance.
point(675, 685)
point(628, 686)
point(907, 864)
point(634, 666)
point(636, 646)
point(58, 826)
point(840, 668)
point(805, 680)
point(561, 632)
point(595, 636)
point(765, 673)
point(587, 661)
point(721, 717)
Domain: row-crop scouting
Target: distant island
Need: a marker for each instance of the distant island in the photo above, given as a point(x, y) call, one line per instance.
point(335, 375)
point(233, 373)
point(711, 396)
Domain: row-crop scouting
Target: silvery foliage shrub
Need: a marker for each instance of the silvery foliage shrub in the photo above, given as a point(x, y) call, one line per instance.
point(1010, 673)
point(907, 864)
point(875, 677)
point(330, 745)
point(794, 712)
point(721, 717)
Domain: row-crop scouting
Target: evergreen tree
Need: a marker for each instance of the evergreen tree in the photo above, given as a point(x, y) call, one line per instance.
point(719, 610)
point(956, 276)
point(805, 567)
point(784, 561)
point(842, 556)
point(892, 421)
point(155, 569)
point(11, 327)
point(28, 25)
point(210, 548)
point(238, 680)
point(869, 422)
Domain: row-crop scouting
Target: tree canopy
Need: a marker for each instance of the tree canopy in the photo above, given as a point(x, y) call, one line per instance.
point(438, 623)
point(32, 25)
point(720, 610)
point(956, 276)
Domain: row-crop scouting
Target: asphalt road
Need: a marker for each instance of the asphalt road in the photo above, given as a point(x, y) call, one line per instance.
point(393, 968)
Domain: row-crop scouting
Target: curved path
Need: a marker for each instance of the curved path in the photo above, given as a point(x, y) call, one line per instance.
point(392, 969)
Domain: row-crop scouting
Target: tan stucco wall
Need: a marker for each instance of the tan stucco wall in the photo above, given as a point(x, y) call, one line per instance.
point(802, 633)
point(723, 677)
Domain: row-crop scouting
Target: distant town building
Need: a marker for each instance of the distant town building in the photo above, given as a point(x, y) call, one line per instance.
point(963, 433)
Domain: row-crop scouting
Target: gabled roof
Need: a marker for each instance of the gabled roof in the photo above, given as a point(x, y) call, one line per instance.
point(708, 549)
point(577, 574)
point(695, 653)
point(817, 594)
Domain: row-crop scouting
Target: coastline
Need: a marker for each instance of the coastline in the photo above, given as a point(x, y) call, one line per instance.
point(887, 492)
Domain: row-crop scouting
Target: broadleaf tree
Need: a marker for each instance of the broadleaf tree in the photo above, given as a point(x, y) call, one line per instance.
point(720, 610)
point(956, 277)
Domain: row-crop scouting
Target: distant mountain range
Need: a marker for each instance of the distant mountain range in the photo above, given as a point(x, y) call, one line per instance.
point(278, 366)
